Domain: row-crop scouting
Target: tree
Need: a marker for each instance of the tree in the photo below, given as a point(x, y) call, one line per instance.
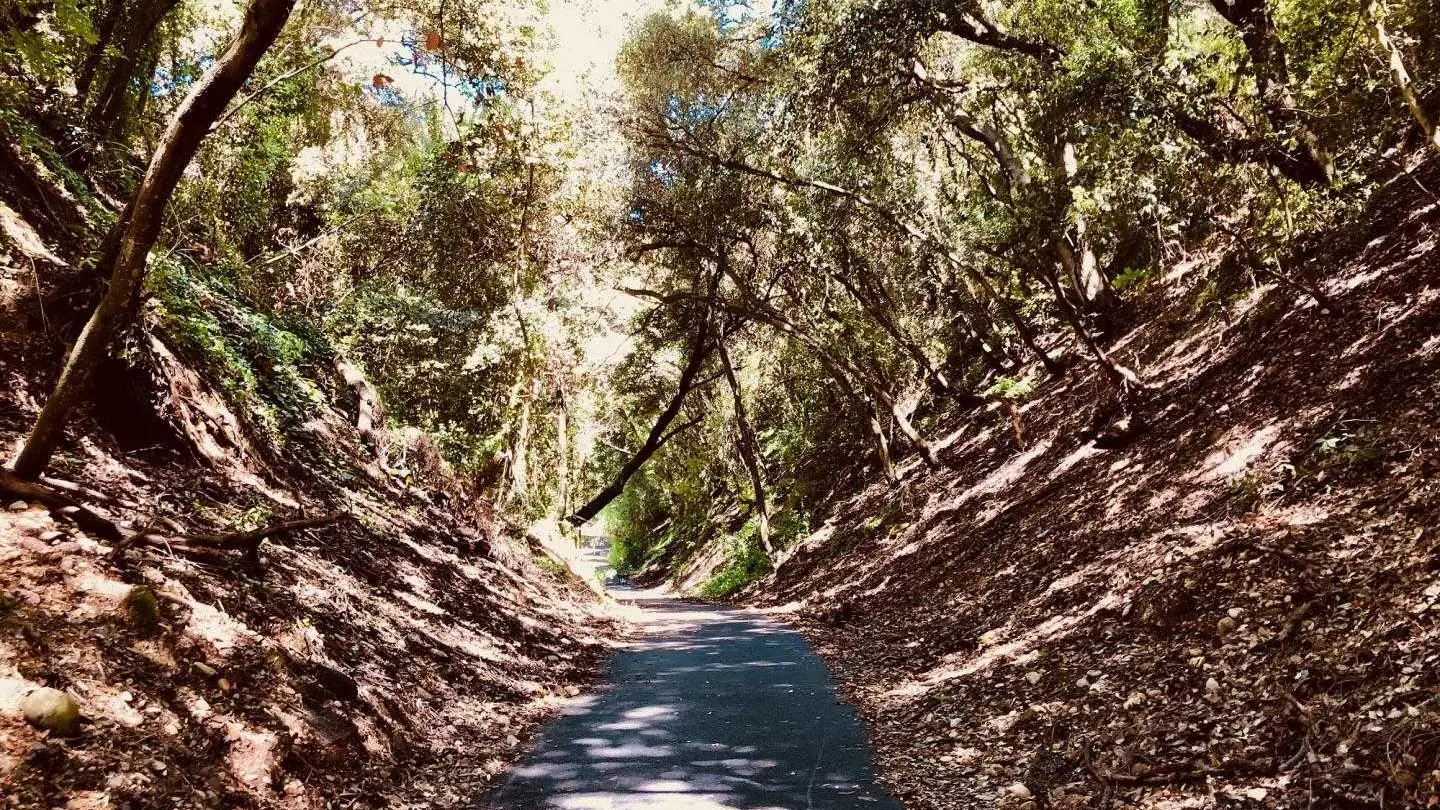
point(701, 347)
point(193, 119)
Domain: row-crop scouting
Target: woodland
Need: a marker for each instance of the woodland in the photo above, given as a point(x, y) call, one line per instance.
point(1066, 371)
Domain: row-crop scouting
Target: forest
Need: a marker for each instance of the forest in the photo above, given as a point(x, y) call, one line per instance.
point(1062, 377)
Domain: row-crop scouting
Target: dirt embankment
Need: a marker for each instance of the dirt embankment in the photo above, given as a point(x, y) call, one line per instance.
point(395, 658)
point(1239, 606)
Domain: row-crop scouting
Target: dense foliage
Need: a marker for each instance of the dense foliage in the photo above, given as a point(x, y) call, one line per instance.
point(896, 206)
point(834, 221)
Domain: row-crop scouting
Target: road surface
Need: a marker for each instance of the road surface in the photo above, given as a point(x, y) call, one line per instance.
point(709, 709)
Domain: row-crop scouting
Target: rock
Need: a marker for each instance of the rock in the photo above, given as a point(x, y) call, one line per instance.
point(157, 766)
point(51, 536)
point(1212, 685)
point(1033, 677)
point(1019, 791)
point(19, 506)
point(52, 709)
point(203, 669)
point(1226, 626)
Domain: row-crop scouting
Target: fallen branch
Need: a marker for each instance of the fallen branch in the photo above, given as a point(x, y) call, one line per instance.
point(86, 493)
point(12, 485)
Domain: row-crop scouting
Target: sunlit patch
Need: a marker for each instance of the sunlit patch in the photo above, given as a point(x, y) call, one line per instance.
point(1067, 463)
point(1236, 452)
point(963, 664)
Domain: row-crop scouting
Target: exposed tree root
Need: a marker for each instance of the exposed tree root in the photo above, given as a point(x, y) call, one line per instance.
point(210, 546)
point(214, 546)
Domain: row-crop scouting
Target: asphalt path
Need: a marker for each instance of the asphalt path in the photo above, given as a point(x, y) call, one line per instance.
point(708, 709)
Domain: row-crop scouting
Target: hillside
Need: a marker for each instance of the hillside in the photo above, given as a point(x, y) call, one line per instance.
point(400, 651)
point(1066, 371)
point(1235, 602)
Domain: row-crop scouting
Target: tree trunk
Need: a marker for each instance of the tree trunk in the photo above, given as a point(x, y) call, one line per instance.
point(192, 120)
point(749, 450)
point(1256, 26)
point(1122, 377)
point(104, 35)
point(660, 433)
point(131, 42)
point(370, 414)
point(562, 452)
point(1375, 11)
point(520, 447)
point(882, 446)
point(1077, 254)
point(879, 313)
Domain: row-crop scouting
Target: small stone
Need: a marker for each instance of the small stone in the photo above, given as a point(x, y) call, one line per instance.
point(1019, 791)
point(203, 669)
point(52, 709)
point(157, 766)
point(224, 684)
point(19, 506)
point(127, 697)
point(1257, 793)
point(51, 536)
point(1234, 612)
point(1083, 684)
point(1226, 626)
point(1033, 677)
point(1212, 685)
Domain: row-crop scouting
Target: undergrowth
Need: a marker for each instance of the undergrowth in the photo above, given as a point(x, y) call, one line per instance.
point(263, 363)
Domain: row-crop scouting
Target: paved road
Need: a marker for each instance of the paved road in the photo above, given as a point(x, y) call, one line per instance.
point(710, 709)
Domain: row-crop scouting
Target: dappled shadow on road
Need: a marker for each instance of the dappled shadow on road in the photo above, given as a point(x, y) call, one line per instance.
point(710, 708)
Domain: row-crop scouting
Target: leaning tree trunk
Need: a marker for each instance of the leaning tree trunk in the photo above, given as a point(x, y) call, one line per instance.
point(660, 432)
point(370, 413)
point(104, 36)
point(1375, 11)
point(192, 120)
point(130, 42)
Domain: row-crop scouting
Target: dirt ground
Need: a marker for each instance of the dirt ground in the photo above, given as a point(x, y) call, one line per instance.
point(397, 658)
point(1238, 606)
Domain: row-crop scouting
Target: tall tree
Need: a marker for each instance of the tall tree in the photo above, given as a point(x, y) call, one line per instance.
point(262, 23)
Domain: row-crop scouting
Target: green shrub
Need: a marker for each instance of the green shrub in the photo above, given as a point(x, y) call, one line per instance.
point(1015, 389)
point(747, 562)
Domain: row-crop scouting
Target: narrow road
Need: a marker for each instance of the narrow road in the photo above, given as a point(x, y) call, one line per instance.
point(709, 709)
